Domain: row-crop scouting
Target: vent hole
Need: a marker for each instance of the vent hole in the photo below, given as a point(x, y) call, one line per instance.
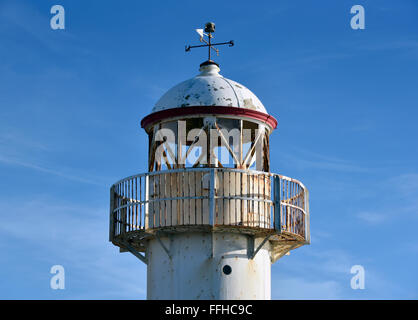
point(227, 269)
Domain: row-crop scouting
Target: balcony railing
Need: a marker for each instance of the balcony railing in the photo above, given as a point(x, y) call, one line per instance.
point(209, 197)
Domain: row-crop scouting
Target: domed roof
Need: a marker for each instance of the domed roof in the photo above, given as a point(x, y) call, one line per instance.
point(209, 88)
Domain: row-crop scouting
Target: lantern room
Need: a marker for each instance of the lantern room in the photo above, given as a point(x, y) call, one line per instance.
point(209, 121)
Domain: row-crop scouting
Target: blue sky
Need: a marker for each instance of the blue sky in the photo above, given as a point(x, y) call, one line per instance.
point(71, 101)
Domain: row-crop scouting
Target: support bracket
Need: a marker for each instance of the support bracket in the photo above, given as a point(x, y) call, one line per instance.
point(142, 257)
point(251, 244)
point(163, 245)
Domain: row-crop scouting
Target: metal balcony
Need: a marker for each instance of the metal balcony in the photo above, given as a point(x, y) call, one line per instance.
point(210, 199)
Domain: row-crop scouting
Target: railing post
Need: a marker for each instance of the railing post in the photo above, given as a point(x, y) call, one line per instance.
point(307, 218)
point(146, 207)
point(276, 201)
point(212, 197)
point(111, 215)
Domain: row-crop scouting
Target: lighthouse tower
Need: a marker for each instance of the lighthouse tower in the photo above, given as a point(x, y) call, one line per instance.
point(209, 218)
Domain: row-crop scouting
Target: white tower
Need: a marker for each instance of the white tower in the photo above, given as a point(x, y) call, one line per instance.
point(209, 218)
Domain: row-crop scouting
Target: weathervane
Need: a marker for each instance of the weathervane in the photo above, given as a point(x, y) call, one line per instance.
point(209, 29)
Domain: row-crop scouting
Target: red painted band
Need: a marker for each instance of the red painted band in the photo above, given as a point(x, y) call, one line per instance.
point(213, 110)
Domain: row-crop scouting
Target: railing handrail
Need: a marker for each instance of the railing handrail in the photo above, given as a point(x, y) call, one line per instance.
point(249, 171)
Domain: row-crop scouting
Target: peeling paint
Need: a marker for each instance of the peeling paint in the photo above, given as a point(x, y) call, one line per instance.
point(248, 103)
point(208, 89)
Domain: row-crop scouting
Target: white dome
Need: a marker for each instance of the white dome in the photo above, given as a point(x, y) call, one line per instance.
point(209, 88)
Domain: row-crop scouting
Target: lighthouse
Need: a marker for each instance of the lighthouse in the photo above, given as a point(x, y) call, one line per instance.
point(209, 218)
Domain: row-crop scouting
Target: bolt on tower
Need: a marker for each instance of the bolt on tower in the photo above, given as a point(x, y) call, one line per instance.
point(209, 218)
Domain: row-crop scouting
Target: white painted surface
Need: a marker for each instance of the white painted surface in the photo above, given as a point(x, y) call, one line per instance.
point(209, 88)
point(193, 273)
